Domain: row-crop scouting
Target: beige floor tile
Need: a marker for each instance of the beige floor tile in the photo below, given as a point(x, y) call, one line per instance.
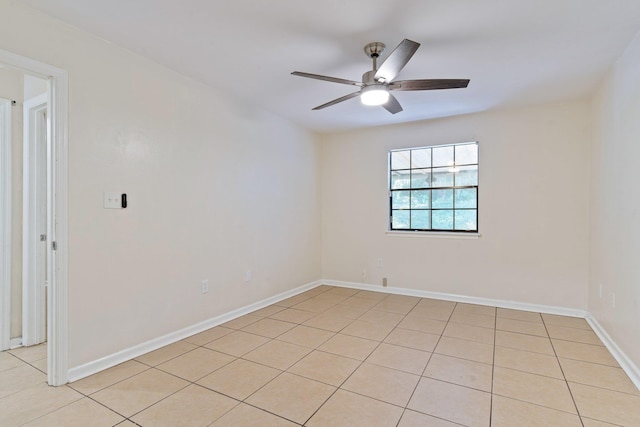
point(267, 311)
point(587, 422)
point(330, 298)
point(524, 342)
point(347, 409)
point(527, 361)
point(196, 364)
point(290, 302)
point(292, 315)
point(431, 312)
point(412, 339)
point(239, 379)
point(328, 322)
point(473, 319)
point(416, 419)
point(306, 336)
point(247, 416)
point(325, 367)
point(292, 397)
point(269, 328)
point(8, 361)
point(507, 412)
point(20, 378)
point(606, 405)
point(40, 365)
point(193, 406)
point(470, 333)
point(369, 330)
point(460, 371)
point(570, 322)
point(422, 324)
point(314, 305)
point(528, 316)
point(401, 358)
point(549, 392)
point(237, 343)
point(378, 296)
point(108, 377)
point(347, 292)
point(452, 402)
point(346, 311)
point(165, 353)
point(277, 354)
point(34, 402)
point(475, 309)
point(521, 327)
point(402, 299)
point(609, 377)
point(389, 385)
point(31, 353)
point(353, 347)
point(84, 412)
point(355, 301)
point(573, 334)
point(436, 303)
point(139, 392)
point(241, 322)
point(127, 423)
point(209, 335)
point(585, 352)
point(397, 307)
point(465, 349)
point(382, 317)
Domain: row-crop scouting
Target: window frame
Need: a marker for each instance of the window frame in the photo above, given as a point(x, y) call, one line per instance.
point(453, 188)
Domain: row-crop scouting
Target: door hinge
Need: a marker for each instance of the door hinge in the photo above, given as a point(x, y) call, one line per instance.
point(54, 245)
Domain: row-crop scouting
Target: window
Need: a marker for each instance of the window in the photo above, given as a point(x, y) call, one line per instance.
point(434, 188)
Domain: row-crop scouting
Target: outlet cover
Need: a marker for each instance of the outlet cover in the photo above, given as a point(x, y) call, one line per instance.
point(204, 286)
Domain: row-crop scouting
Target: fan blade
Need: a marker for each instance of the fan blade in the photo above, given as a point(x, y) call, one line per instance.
point(392, 105)
point(396, 60)
point(429, 84)
point(335, 101)
point(327, 78)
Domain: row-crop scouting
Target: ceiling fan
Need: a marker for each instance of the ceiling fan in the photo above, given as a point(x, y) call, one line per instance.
point(376, 84)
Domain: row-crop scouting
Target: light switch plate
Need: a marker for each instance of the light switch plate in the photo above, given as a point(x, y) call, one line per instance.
point(112, 200)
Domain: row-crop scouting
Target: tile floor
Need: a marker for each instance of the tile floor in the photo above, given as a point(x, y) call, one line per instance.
point(334, 357)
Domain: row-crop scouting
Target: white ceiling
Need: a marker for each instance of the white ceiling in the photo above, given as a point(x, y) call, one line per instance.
point(516, 52)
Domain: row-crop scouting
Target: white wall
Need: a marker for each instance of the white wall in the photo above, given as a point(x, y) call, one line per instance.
point(215, 187)
point(533, 208)
point(615, 204)
point(11, 87)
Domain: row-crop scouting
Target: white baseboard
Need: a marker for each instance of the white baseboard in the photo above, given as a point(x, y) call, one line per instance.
point(15, 342)
point(538, 308)
point(111, 360)
point(623, 360)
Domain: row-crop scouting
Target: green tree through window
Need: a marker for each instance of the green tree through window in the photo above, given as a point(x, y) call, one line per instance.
point(434, 188)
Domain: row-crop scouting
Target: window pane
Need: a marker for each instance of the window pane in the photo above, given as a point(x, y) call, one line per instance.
point(441, 199)
point(466, 154)
point(466, 220)
point(400, 159)
point(420, 199)
point(467, 175)
point(421, 158)
point(400, 219)
point(400, 200)
point(443, 156)
point(420, 178)
point(400, 179)
point(442, 177)
point(442, 220)
point(421, 220)
point(466, 198)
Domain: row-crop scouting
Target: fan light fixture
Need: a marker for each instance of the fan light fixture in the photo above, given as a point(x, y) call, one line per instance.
point(374, 95)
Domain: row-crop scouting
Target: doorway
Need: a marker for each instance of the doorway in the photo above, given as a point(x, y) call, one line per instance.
point(47, 180)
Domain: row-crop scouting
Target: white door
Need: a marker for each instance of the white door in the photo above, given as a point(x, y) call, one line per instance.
point(35, 239)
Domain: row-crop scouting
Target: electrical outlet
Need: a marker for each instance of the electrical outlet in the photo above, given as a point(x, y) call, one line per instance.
point(204, 286)
point(600, 290)
point(379, 263)
point(613, 300)
point(384, 282)
point(247, 276)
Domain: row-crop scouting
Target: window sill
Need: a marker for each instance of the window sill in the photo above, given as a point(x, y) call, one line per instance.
point(434, 235)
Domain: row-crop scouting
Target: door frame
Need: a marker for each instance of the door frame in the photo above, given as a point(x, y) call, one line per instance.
point(33, 292)
point(57, 207)
point(5, 224)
